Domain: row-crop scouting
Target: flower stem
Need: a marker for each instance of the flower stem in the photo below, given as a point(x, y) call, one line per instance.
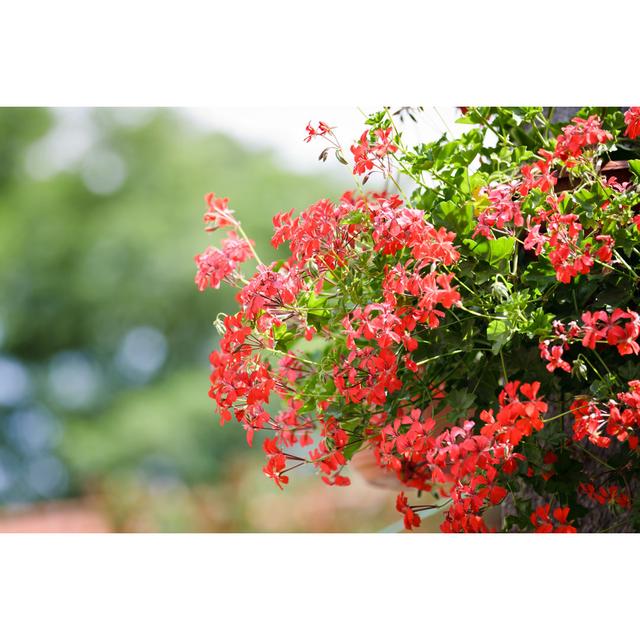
point(246, 237)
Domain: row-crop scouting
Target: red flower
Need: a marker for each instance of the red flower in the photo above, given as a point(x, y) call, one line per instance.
point(588, 422)
point(276, 463)
point(624, 337)
point(535, 240)
point(515, 418)
point(543, 522)
point(322, 130)
point(385, 144)
point(362, 155)
point(593, 330)
point(216, 265)
point(411, 519)
point(396, 228)
point(632, 120)
point(554, 357)
point(538, 175)
point(367, 375)
point(501, 211)
point(218, 214)
point(497, 494)
point(270, 292)
point(317, 233)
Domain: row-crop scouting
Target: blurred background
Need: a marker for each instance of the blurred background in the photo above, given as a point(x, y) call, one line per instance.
point(105, 422)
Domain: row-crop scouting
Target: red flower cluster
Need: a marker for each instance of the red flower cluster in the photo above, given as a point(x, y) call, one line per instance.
point(465, 465)
point(367, 375)
point(619, 419)
point(430, 290)
point(502, 210)
point(566, 256)
point(322, 130)
point(395, 228)
point(613, 329)
point(276, 463)
point(376, 282)
point(469, 462)
point(367, 155)
point(516, 418)
point(611, 495)
point(569, 253)
point(328, 457)
point(538, 175)
point(462, 464)
point(542, 521)
point(239, 379)
point(571, 143)
point(620, 329)
point(268, 294)
point(411, 518)
point(318, 233)
point(378, 323)
point(218, 265)
point(589, 422)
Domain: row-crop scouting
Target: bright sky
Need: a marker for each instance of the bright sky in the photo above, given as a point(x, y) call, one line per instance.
point(74, 142)
point(283, 129)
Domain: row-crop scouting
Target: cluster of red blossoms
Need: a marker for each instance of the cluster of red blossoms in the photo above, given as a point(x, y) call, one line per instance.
point(218, 265)
point(619, 329)
point(619, 419)
point(368, 155)
point(575, 137)
point(466, 465)
point(571, 251)
point(543, 521)
point(611, 495)
point(377, 283)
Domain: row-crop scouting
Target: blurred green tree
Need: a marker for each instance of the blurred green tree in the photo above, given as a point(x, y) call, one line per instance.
point(103, 334)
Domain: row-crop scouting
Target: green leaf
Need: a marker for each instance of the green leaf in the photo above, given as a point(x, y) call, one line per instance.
point(540, 274)
point(460, 401)
point(457, 217)
point(634, 165)
point(539, 323)
point(355, 217)
point(498, 332)
point(493, 251)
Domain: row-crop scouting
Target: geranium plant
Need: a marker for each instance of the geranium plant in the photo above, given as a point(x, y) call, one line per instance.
point(474, 326)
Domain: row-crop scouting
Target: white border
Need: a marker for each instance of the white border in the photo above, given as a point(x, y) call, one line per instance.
point(337, 53)
point(317, 586)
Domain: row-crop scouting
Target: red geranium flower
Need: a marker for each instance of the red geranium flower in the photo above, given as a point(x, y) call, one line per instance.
point(632, 120)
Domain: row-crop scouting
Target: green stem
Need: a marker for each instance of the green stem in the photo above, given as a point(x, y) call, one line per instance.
point(623, 262)
point(501, 137)
point(442, 355)
point(246, 237)
point(595, 457)
point(504, 369)
point(290, 355)
point(480, 315)
point(559, 415)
